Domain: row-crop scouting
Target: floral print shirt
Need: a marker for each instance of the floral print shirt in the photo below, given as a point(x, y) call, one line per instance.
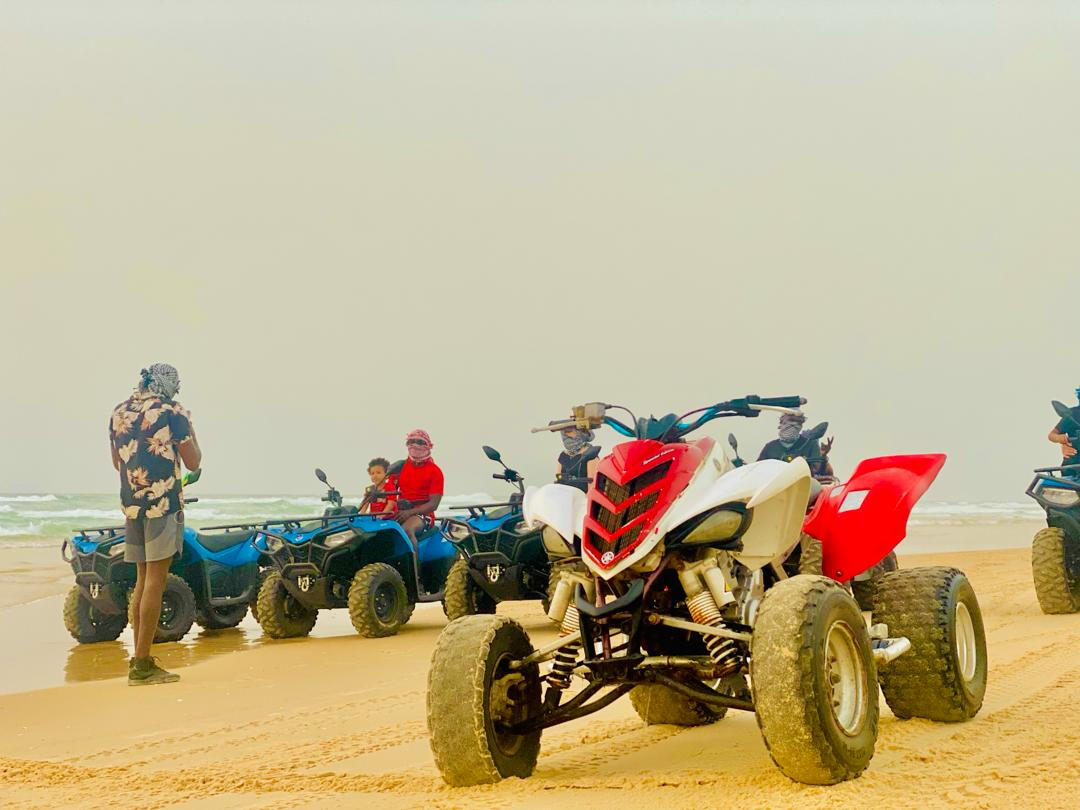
point(146, 430)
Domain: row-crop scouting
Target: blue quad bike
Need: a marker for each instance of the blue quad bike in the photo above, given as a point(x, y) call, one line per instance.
point(501, 560)
point(362, 562)
point(1055, 550)
point(212, 582)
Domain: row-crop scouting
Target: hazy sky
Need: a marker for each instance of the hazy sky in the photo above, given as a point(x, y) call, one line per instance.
point(344, 220)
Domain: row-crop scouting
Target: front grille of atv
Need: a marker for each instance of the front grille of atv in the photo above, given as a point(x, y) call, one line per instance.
point(613, 521)
point(617, 493)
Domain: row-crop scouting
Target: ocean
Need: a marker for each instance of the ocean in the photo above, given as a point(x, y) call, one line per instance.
point(45, 519)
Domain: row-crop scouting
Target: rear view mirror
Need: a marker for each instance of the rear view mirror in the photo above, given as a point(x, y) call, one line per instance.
point(733, 442)
point(1062, 410)
point(395, 468)
point(592, 453)
point(492, 453)
point(320, 475)
point(817, 431)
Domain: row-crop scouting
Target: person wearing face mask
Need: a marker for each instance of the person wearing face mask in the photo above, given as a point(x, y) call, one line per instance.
point(420, 483)
point(792, 444)
point(573, 469)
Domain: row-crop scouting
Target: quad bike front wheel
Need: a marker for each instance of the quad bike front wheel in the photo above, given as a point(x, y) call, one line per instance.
point(177, 610)
point(864, 589)
point(378, 601)
point(474, 696)
point(1056, 585)
point(209, 617)
point(279, 613)
point(462, 596)
point(813, 680)
point(86, 624)
point(943, 676)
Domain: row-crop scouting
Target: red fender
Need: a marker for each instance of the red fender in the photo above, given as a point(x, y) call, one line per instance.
point(860, 522)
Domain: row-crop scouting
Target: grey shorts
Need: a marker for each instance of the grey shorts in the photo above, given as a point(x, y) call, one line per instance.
point(152, 539)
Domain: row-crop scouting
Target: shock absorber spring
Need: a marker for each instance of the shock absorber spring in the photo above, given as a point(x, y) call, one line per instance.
point(704, 610)
point(566, 657)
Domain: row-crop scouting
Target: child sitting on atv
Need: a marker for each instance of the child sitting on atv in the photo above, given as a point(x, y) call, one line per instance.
point(1059, 434)
point(381, 482)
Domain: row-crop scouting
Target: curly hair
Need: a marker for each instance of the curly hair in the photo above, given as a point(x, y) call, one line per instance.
point(379, 461)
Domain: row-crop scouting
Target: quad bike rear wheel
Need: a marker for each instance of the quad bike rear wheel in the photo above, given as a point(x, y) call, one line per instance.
point(813, 680)
point(473, 696)
point(378, 601)
point(279, 613)
point(88, 625)
point(209, 617)
point(462, 596)
point(1055, 585)
point(657, 704)
point(864, 589)
point(177, 610)
point(943, 676)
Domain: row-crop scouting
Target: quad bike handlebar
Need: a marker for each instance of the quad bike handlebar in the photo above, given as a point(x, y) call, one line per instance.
point(671, 427)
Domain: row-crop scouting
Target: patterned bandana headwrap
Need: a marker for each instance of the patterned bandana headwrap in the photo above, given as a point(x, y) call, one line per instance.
point(419, 452)
point(160, 379)
point(790, 426)
point(575, 440)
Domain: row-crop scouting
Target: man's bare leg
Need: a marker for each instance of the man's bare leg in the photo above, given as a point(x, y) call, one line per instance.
point(411, 526)
point(150, 604)
point(136, 598)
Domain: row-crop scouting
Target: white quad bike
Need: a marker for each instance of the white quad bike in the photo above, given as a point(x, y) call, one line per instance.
point(685, 596)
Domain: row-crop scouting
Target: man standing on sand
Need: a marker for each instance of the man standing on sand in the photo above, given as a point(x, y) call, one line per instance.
point(149, 435)
point(421, 485)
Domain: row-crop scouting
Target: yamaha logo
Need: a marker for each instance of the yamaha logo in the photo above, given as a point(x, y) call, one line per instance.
point(607, 558)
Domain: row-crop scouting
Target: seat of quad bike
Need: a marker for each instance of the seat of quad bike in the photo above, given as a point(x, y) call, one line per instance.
point(223, 540)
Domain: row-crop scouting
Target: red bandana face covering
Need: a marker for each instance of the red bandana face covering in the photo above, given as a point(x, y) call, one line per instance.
point(419, 453)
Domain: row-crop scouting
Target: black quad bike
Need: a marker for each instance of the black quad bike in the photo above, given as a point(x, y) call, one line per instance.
point(362, 562)
point(501, 559)
point(1055, 550)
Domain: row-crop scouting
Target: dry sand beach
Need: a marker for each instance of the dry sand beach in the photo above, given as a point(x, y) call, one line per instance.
point(338, 721)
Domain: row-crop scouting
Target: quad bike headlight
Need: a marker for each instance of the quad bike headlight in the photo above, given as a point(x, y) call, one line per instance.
point(458, 531)
point(336, 539)
point(1060, 497)
point(274, 543)
point(116, 549)
point(555, 545)
point(722, 524)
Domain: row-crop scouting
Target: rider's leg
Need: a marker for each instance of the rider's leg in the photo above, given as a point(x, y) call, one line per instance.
point(412, 526)
point(136, 597)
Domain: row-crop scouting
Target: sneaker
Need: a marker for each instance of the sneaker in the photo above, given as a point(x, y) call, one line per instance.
point(145, 671)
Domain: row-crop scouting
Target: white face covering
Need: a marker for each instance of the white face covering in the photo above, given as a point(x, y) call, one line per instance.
point(789, 434)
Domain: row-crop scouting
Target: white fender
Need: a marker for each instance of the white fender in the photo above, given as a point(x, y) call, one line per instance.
point(558, 506)
point(777, 491)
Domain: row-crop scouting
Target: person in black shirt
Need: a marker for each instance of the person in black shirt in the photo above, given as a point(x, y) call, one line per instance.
point(1060, 433)
point(575, 465)
point(792, 443)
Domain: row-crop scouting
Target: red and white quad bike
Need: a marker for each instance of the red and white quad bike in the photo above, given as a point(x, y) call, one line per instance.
point(685, 595)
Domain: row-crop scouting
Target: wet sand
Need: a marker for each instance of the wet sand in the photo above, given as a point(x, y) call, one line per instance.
point(336, 720)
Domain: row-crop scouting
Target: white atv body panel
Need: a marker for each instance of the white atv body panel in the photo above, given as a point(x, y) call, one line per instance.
point(558, 506)
point(776, 491)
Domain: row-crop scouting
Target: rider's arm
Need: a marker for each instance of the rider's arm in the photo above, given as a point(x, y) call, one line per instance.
point(590, 468)
point(430, 505)
point(190, 452)
point(1057, 437)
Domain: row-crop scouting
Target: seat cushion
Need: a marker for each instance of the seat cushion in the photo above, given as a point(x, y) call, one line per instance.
point(224, 540)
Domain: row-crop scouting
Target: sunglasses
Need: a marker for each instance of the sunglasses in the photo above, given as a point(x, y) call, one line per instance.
point(420, 442)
